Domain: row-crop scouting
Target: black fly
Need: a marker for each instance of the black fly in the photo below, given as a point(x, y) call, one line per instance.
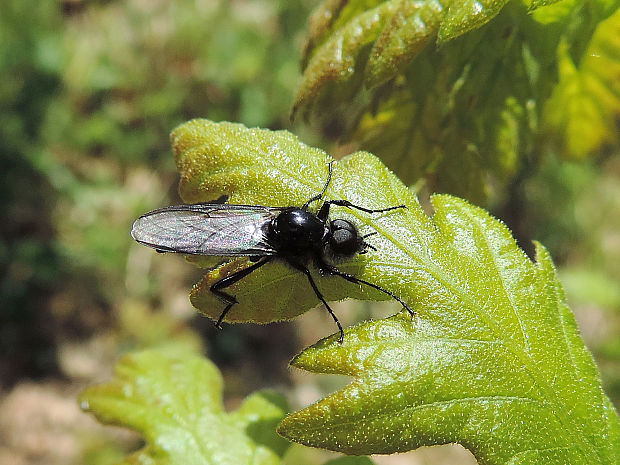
point(292, 234)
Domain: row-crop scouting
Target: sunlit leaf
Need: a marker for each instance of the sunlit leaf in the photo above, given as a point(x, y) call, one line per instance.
point(263, 167)
point(493, 360)
point(465, 15)
point(468, 111)
point(585, 106)
point(175, 402)
point(376, 39)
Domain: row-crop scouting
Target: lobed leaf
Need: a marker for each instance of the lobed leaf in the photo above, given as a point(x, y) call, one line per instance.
point(472, 107)
point(175, 402)
point(494, 360)
point(377, 38)
point(465, 15)
point(274, 168)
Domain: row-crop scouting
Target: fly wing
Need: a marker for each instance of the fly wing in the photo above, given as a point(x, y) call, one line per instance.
point(207, 229)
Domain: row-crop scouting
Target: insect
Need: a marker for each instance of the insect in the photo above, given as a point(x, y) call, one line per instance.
point(292, 234)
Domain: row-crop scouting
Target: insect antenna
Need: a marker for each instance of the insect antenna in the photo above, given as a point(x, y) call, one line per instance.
point(366, 245)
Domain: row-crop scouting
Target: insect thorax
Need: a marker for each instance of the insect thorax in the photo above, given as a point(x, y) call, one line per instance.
point(297, 232)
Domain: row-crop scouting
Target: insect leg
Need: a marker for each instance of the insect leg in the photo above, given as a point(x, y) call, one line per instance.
point(223, 283)
point(324, 267)
point(320, 196)
point(346, 203)
point(306, 271)
point(323, 212)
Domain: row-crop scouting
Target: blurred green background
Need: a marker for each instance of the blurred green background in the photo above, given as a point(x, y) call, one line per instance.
point(89, 92)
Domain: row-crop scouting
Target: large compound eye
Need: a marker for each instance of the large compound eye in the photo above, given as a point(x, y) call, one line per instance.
point(344, 240)
point(343, 225)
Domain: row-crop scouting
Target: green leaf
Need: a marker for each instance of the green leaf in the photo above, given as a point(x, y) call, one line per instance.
point(350, 461)
point(493, 360)
point(585, 106)
point(263, 167)
point(465, 15)
point(398, 30)
point(470, 110)
point(176, 403)
point(376, 39)
point(388, 34)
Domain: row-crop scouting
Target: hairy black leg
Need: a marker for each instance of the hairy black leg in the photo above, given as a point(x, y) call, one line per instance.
point(229, 280)
point(346, 203)
point(324, 267)
point(306, 271)
point(320, 196)
point(323, 212)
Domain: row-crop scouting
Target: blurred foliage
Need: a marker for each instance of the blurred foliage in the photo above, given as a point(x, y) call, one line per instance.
point(89, 93)
point(583, 110)
point(493, 340)
point(574, 207)
point(467, 93)
point(30, 263)
point(90, 90)
point(174, 398)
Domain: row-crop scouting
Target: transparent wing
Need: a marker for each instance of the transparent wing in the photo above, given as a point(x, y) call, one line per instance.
point(207, 229)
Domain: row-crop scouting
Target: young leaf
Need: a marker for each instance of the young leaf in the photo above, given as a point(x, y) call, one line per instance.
point(585, 106)
point(474, 106)
point(176, 403)
point(493, 360)
point(376, 39)
point(257, 166)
